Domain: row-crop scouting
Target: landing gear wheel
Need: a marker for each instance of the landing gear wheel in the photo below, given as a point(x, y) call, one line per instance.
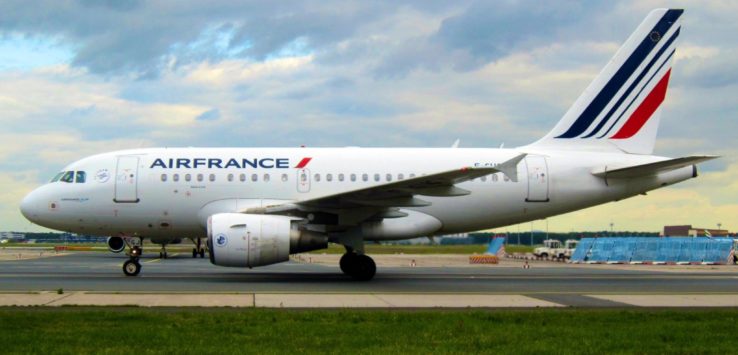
point(359, 267)
point(131, 267)
point(347, 262)
point(198, 249)
point(364, 268)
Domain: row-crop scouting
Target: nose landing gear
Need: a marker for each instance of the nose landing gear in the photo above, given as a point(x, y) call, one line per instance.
point(132, 267)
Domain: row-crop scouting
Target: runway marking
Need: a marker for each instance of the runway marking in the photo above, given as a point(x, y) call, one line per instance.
point(152, 261)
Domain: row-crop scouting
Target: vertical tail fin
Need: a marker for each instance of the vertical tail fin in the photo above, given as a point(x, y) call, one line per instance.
point(620, 109)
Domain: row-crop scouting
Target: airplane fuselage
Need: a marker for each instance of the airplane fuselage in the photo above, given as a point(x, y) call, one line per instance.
point(170, 192)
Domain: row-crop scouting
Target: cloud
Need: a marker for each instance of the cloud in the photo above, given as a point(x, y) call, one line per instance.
point(106, 75)
point(209, 115)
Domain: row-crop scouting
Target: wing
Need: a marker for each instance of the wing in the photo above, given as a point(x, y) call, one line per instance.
point(402, 193)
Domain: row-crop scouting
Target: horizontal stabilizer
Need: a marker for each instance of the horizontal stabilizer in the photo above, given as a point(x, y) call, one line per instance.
point(651, 168)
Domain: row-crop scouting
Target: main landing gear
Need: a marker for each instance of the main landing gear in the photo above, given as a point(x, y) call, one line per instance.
point(359, 266)
point(198, 249)
point(132, 266)
point(163, 252)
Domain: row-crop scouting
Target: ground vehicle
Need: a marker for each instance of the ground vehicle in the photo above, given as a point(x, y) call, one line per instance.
point(552, 249)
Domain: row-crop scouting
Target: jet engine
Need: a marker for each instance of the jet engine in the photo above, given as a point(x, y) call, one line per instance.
point(247, 240)
point(116, 244)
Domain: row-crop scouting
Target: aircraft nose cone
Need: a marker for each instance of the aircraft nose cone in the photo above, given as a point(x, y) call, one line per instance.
point(28, 206)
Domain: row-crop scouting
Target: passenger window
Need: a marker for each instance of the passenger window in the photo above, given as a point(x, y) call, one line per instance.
point(68, 177)
point(506, 178)
point(389, 177)
point(285, 177)
point(303, 177)
point(400, 176)
point(175, 177)
point(266, 177)
point(199, 177)
point(411, 176)
point(212, 177)
point(188, 177)
point(365, 177)
point(81, 177)
point(242, 177)
point(57, 177)
point(353, 177)
point(494, 177)
point(329, 177)
point(254, 177)
point(230, 177)
point(316, 177)
point(483, 178)
point(340, 177)
point(376, 177)
point(164, 177)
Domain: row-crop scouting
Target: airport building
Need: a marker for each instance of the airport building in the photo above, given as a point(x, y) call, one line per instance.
point(689, 231)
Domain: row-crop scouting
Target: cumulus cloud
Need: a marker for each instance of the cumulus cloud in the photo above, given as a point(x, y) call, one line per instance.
point(106, 75)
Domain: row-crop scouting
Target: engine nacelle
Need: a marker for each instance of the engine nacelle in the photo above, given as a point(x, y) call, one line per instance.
point(243, 240)
point(116, 244)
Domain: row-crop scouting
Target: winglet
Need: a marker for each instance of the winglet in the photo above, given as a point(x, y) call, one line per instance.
point(510, 167)
point(456, 143)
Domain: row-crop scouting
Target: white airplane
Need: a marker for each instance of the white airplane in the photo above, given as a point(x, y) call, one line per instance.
point(256, 206)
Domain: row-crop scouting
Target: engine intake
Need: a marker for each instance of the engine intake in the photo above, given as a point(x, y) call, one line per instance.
point(244, 240)
point(116, 244)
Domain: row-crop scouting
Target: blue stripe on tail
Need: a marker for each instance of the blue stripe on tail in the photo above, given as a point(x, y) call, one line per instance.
point(595, 107)
point(633, 85)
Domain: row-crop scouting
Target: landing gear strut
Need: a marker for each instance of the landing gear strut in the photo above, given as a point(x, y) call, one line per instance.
point(163, 252)
point(198, 249)
point(132, 266)
point(359, 266)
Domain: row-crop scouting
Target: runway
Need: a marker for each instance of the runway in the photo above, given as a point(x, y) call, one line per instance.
point(564, 285)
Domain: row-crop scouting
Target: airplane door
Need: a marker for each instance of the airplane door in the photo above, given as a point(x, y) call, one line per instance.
point(303, 180)
point(126, 180)
point(537, 178)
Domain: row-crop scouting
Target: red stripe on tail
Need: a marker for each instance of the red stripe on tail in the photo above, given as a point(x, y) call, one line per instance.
point(303, 163)
point(641, 115)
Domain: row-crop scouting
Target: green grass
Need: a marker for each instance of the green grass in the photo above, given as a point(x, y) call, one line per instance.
point(224, 331)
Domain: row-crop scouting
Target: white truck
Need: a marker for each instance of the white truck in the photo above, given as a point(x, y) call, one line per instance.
point(552, 249)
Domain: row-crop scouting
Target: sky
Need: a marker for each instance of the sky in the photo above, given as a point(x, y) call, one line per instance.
point(83, 77)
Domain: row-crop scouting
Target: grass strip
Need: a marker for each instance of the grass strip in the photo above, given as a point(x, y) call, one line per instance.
point(268, 331)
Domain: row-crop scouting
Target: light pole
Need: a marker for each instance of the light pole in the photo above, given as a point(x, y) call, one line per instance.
point(531, 233)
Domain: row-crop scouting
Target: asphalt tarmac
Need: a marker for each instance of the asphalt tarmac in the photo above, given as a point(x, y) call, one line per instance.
point(564, 285)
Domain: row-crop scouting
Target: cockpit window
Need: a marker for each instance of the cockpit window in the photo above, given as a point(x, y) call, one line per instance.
point(81, 177)
point(67, 177)
point(57, 177)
